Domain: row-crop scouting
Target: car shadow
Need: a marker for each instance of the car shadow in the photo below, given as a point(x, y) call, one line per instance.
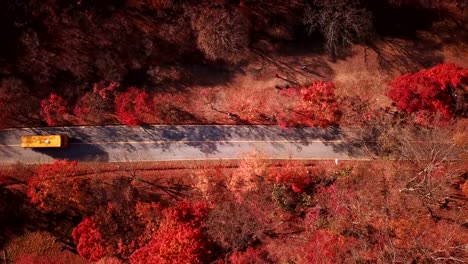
point(76, 150)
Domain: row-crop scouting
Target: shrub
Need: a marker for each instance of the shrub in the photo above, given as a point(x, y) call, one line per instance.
point(317, 105)
point(130, 106)
point(233, 226)
point(429, 94)
point(90, 242)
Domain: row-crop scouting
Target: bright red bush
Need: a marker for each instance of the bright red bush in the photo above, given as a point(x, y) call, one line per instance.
point(317, 105)
point(428, 93)
point(52, 109)
point(447, 75)
point(91, 245)
point(130, 106)
point(178, 240)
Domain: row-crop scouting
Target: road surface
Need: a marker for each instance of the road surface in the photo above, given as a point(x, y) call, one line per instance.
point(151, 143)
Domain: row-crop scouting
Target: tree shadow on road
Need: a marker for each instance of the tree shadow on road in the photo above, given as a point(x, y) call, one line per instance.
point(346, 143)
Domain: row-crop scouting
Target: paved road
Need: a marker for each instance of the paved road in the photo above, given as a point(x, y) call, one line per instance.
point(148, 143)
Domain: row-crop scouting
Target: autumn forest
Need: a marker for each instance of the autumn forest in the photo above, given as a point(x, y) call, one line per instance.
point(395, 71)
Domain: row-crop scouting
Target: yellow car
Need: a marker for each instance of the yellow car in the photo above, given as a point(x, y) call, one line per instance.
point(44, 141)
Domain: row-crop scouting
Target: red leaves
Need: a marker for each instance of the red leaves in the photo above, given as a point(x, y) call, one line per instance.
point(59, 168)
point(317, 105)
point(173, 243)
point(130, 106)
point(296, 176)
point(178, 240)
point(52, 109)
point(50, 187)
point(323, 247)
point(102, 89)
point(428, 93)
point(249, 256)
point(447, 74)
point(191, 214)
point(90, 242)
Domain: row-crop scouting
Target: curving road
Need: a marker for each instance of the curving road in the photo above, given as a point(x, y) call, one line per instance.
point(151, 143)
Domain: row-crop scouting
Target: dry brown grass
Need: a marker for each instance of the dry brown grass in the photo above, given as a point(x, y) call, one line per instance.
point(39, 244)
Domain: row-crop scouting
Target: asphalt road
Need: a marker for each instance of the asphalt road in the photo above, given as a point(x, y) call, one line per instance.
point(151, 143)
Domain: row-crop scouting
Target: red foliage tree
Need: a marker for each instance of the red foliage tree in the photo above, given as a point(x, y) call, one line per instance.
point(428, 94)
point(179, 239)
point(52, 109)
point(91, 245)
point(121, 229)
point(317, 105)
point(52, 187)
point(130, 106)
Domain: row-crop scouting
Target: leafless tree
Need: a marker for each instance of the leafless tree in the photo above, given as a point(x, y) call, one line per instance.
point(341, 22)
point(221, 34)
